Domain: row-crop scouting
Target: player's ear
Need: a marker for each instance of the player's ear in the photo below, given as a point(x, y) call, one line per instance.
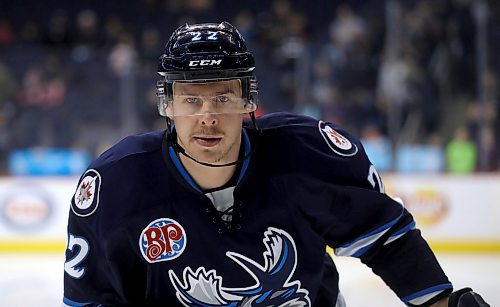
point(169, 110)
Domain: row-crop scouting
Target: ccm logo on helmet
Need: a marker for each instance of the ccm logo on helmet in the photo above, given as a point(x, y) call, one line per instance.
point(204, 63)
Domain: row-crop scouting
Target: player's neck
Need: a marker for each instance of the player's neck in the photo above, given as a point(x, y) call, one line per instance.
point(210, 177)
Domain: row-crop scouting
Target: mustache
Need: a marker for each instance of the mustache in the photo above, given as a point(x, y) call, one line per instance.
point(208, 131)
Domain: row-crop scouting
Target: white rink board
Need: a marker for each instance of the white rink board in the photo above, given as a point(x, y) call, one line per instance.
point(35, 208)
point(446, 208)
point(451, 208)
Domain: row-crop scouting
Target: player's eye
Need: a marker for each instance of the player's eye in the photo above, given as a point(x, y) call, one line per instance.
point(192, 100)
point(222, 99)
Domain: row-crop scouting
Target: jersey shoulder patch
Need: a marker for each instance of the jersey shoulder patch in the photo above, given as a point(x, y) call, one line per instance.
point(86, 198)
point(337, 142)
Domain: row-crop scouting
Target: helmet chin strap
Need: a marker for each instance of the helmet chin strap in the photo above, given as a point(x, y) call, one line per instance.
point(171, 140)
point(179, 149)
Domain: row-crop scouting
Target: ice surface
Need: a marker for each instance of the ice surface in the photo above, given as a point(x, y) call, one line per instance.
point(36, 279)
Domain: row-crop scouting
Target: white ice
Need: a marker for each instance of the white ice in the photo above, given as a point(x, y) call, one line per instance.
point(36, 279)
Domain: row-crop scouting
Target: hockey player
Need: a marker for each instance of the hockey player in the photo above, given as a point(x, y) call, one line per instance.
point(221, 210)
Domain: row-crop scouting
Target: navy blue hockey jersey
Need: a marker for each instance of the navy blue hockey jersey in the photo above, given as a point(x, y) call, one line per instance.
point(141, 232)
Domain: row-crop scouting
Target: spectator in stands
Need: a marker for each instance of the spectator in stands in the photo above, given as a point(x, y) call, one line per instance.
point(338, 108)
point(198, 5)
point(149, 44)
point(378, 147)
point(123, 56)
point(7, 85)
point(7, 35)
point(57, 34)
point(43, 87)
point(88, 32)
point(348, 29)
point(30, 33)
point(113, 28)
point(7, 112)
point(88, 37)
point(461, 152)
point(245, 22)
point(489, 150)
point(463, 52)
point(321, 93)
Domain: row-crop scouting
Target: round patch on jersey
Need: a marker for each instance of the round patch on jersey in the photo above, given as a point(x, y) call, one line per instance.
point(336, 141)
point(86, 198)
point(163, 239)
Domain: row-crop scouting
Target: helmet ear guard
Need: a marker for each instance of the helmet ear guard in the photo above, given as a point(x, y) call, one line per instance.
point(162, 98)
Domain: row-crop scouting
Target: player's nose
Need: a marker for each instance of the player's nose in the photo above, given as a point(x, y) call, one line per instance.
point(208, 119)
point(208, 116)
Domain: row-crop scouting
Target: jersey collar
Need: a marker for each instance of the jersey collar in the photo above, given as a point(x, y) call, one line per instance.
point(189, 180)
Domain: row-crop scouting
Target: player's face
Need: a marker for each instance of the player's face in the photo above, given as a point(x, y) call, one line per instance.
point(208, 137)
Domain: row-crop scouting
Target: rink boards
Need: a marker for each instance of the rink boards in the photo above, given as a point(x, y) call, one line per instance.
point(455, 213)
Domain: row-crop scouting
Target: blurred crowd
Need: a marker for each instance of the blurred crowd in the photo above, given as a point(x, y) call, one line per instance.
point(401, 75)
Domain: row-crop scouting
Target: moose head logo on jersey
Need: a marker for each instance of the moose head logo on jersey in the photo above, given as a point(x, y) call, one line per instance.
point(272, 288)
point(162, 240)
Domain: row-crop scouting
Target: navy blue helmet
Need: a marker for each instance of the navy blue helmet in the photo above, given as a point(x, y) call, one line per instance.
point(207, 52)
